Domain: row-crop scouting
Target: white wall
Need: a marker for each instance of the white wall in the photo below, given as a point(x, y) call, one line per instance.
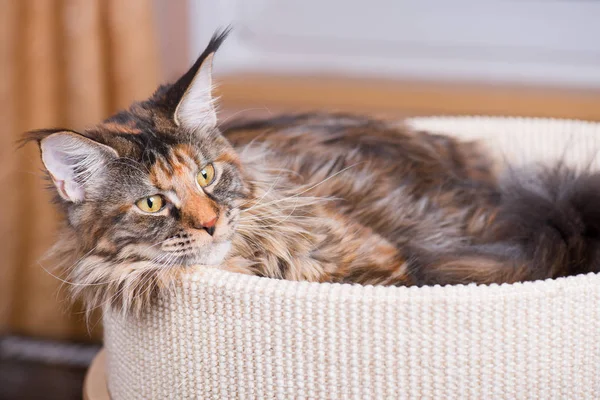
point(553, 42)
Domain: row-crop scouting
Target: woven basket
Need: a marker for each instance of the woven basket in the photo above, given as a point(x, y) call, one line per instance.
point(229, 336)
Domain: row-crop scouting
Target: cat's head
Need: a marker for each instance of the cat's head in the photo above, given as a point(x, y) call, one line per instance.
point(150, 187)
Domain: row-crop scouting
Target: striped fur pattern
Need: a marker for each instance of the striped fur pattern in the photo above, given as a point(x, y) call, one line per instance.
point(316, 197)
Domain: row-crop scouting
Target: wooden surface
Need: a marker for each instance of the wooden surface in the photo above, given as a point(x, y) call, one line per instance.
point(94, 387)
point(268, 94)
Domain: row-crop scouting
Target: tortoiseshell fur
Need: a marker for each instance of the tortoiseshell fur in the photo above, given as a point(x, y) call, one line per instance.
point(317, 197)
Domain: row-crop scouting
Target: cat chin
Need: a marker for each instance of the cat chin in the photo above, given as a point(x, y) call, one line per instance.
point(213, 257)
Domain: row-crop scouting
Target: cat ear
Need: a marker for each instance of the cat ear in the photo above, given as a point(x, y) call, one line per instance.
point(74, 162)
point(196, 109)
point(193, 91)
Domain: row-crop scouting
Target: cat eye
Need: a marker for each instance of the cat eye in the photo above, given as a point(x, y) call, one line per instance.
point(151, 204)
point(206, 175)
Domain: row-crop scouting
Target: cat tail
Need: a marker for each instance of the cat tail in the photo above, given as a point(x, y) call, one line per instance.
point(547, 225)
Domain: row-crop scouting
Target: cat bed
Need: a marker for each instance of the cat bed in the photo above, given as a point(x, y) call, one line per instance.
point(225, 335)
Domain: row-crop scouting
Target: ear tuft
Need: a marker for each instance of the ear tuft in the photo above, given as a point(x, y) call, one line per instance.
point(74, 162)
point(195, 108)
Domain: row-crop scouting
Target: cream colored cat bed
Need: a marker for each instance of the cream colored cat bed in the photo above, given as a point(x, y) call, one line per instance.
point(230, 336)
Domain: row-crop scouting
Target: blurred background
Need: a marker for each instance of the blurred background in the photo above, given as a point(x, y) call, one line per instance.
point(71, 63)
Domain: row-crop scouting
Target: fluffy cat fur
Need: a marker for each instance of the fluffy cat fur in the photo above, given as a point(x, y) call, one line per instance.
point(316, 197)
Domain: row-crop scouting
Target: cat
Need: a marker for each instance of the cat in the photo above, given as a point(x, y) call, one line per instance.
point(160, 188)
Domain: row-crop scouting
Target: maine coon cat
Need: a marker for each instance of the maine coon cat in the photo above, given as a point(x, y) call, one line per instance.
point(161, 188)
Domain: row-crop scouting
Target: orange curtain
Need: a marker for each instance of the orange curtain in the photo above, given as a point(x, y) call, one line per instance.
point(66, 63)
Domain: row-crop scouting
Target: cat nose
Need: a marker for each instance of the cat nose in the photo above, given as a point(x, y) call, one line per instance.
point(208, 226)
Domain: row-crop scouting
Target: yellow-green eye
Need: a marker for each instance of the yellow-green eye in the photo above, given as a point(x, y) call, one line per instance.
point(206, 175)
point(151, 204)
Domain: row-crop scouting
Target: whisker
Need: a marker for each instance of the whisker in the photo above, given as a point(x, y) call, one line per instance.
point(269, 190)
point(71, 283)
point(304, 191)
point(225, 120)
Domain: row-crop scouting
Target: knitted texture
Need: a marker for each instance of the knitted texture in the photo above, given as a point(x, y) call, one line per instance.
point(229, 336)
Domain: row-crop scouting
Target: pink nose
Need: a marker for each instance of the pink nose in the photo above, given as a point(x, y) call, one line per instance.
point(210, 224)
